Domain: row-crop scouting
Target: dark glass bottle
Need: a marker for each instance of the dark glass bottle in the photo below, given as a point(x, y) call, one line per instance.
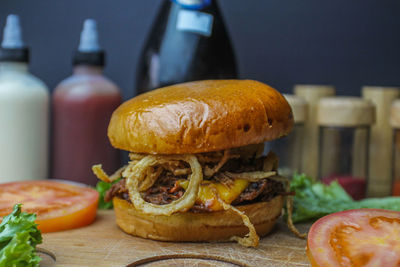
point(188, 42)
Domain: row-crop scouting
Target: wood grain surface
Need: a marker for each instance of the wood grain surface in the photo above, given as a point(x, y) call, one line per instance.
point(104, 244)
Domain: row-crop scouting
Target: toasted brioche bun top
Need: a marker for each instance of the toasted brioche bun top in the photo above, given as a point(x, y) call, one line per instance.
point(200, 116)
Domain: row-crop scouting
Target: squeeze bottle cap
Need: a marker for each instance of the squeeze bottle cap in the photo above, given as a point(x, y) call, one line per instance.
point(12, 48)
point(89, 51)
point(12, 35)
point(89, 37)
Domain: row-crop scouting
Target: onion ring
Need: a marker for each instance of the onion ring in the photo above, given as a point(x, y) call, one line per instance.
point(135, 174)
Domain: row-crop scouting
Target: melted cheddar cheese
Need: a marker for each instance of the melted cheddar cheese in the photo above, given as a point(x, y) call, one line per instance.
point(206, 196)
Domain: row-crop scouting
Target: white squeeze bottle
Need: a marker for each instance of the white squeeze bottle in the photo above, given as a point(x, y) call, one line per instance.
point(24, 103)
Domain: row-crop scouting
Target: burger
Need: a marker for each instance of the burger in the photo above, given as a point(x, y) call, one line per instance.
point(197, 169)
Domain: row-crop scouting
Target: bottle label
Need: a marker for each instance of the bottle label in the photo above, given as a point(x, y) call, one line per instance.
point(193, 4)
point(195, 21)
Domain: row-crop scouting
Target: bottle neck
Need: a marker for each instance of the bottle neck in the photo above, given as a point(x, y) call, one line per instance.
point(14, 66)
point(88, 70)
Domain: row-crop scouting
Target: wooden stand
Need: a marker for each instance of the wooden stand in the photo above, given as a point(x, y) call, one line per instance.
point(395, 123)
point(380, 149)
point(312, 94)
point(350, 113)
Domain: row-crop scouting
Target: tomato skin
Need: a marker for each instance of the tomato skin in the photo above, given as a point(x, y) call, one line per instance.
point(373, 239)
point(75, 220)
point(59, 206)
point(311, 258)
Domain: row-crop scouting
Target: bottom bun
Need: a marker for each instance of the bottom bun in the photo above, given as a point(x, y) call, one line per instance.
point(194, 227)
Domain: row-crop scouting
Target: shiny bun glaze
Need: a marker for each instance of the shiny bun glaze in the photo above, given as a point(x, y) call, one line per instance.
point(202, 116)
point(197, 227)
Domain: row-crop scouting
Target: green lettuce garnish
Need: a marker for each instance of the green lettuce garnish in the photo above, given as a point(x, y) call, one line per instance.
point(19, 236)
point(313, 200)
point(102, 188)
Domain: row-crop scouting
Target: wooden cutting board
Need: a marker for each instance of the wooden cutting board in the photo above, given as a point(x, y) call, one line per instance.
point(104, 244)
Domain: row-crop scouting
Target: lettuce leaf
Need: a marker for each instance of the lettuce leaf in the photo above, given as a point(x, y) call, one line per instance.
point(102, 188)
point(313, 200)
point(19, 236)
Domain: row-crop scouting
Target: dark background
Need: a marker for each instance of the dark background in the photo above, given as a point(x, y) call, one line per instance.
point(347, 43)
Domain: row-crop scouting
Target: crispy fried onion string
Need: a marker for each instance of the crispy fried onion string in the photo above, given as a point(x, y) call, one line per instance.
point(136, 156)
point(177, 168)
point(210, 157)
point(151, 178)
point(250, 176)
point(224, 179)
point(250, 151)
point(289, 206)
point(102, 175)
point(208, 172)
point(136, 173)
point(251, 239)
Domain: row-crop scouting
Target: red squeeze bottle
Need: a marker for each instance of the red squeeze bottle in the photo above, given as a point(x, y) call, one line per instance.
point(82, 108)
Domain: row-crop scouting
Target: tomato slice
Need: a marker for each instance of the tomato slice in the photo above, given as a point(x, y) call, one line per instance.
point(59, 206)
point(363, 237)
